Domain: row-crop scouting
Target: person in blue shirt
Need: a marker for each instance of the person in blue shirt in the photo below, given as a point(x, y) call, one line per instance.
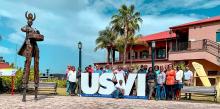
point(98, 70)
point(157, 70)
point(107, 69)
point(145, 68)
point(141, 70)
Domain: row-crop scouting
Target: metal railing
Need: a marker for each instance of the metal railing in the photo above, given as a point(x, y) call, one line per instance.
point(212, 47)
point(205, 44)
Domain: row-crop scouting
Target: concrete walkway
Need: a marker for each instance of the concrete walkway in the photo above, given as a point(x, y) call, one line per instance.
point(68, 102)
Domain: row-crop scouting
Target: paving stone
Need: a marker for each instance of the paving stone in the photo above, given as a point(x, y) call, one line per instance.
point(74, 102)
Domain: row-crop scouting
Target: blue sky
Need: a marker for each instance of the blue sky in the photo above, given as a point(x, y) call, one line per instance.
point(65, 22)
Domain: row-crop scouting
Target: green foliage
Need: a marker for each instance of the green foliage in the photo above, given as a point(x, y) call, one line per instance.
point(126, 22)
point(60, 83)
point(181, 64)
point(18, 79)
point(105, 39)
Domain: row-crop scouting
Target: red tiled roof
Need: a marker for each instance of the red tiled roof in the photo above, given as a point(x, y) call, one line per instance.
point(158, 36)
point(4, 65)
point(207, 20)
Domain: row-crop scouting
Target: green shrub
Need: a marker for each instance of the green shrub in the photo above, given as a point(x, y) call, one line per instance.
point(6, 81)
point(60, 83)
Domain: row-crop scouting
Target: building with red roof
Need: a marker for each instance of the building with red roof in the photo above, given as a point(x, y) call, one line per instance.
point(203, 21)
point(197, 41)
point(158, 36)
point(3, 64)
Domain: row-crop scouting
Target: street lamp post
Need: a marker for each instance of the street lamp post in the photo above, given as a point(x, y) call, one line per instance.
point(80, 66)
point(80, 55)
point(153, 45)
point(47, 73)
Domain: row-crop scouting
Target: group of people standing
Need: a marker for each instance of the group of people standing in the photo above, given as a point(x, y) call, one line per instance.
point(162, 82)
point(71, 83)
point(168, 82)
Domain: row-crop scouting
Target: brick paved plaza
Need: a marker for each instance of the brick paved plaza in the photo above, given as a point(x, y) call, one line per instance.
point(68, 102)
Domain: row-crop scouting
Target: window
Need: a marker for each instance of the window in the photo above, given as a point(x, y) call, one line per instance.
point(144, 54)
point(213, 73)
point(129, 55)
point(161, 53)
point(217, 36)
point(135, 55)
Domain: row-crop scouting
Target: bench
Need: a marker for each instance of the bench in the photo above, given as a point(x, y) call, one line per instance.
point(44, 86)
point(201, 91)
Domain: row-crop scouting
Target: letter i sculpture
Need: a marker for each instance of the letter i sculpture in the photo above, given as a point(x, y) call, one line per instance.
point(28, 50)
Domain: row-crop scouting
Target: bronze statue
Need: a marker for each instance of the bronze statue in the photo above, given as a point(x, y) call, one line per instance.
point(30, 49)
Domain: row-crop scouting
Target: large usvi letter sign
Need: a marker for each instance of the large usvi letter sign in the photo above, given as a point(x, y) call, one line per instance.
point(108, 86)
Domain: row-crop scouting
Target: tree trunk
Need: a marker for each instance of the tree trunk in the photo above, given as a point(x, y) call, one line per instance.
point(113, 55)
point(124, 54)
point(108, 55)
point(126, 43)
point(131, 55)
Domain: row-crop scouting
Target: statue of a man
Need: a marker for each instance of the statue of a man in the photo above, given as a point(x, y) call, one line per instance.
point(28, 50)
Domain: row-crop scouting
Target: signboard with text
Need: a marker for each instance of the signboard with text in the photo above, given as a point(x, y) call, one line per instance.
point(8, 72)
point(103, 86)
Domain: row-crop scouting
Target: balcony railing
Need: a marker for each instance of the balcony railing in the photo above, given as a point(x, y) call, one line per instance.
point(205, 44)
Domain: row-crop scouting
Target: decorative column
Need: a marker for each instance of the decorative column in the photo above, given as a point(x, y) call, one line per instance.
point(166, 50)
point(153, 45)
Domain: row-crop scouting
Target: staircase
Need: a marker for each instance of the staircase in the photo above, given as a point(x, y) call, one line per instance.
point(200, 49)
point(212, 47)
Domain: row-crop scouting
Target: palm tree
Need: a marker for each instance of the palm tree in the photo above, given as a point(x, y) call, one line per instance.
point(106, 40)
point(125, 23)
point(132, 41)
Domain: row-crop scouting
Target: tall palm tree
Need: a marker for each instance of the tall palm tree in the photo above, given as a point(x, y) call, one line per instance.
point(119, 45)
point(132, 41)
point(106, 40)
point(125, 23)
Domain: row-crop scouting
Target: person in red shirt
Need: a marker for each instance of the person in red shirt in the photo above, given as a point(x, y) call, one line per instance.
point(90, 71)
point(170, 81)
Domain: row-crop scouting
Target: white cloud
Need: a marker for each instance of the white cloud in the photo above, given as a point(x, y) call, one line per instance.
point(207, 5)
point(16, 38)
point(65, 22)
point(158, 23)
point(62, 23)
point(4, 50)
point(158, 6)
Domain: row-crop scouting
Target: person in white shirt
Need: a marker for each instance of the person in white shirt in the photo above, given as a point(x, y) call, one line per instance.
point(120, 71)
point(179, 83)
point(67, 81)
point(72, 79)
point(188, 76)
point(119, 90)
